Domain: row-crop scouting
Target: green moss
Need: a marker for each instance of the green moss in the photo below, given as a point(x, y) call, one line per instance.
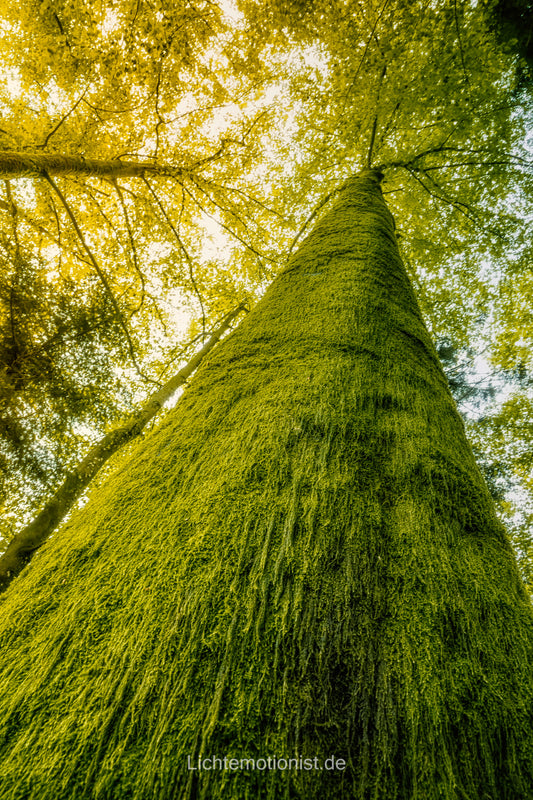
point(302, 560)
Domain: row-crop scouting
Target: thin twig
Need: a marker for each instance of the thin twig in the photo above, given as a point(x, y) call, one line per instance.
point(247, 197)
point(221, 224)
point(100, 274)
point(244, 306)
point(58, 228)
point(14, 214)
point(189, 262)
point(463, 208)
point(115, 233)
point(61, 121)
point(57, 241)
point(361, 62)
point(132, 243)
point(180, 243)
point(13, 210)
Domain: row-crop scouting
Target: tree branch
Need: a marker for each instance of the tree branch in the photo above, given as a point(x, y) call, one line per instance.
point(19, 165)
point(25, 543)
point(180, 243)
point(310, 218)
point(101, 275)
point(471, 214)
point(62, 120)
point(375, 123)
point(361, 62)
point(132, 242)
point(221, 224)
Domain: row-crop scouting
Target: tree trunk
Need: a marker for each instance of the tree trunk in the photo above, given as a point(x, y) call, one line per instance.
point(27, 541)
point(303, 563)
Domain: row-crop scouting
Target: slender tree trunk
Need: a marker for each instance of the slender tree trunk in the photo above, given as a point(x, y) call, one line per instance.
point(302, 563)
point(19, 165)
point(27, 541)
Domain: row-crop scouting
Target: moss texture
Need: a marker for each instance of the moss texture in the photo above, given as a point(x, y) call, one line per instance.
point(303, 560)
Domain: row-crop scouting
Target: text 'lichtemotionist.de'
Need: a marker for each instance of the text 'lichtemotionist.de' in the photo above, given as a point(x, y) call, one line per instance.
point(331, 763)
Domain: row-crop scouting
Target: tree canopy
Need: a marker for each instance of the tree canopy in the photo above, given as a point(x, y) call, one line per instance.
point(160, 161)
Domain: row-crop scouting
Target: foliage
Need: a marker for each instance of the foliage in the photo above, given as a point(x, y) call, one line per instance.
point(512, 23)
point(100, 276)
point(58, 349)
point(248, 117)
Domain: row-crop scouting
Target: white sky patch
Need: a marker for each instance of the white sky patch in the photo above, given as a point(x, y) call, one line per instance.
point(24, 187)
point(221, 118)
point(313, 56)
point(487, 273)
point(188, 102)
point(528, 142)
point(11, 77)
point(110, 23)
point(216, 243)
point(180, 315)
point(231, 12)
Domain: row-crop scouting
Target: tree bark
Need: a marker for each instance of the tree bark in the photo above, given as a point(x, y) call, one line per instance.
point(27, 541)
point(22, 165)
point(303, 562)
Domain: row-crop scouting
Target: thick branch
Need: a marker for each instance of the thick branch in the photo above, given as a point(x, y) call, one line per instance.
point(20, 165)
point(25, 543)
point(15, 164)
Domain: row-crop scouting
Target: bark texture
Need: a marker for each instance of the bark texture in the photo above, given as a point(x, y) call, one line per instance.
point(28, 540)
point(302, 561)
point(19, 165)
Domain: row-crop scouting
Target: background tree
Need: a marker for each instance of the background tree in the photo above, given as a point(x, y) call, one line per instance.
point(512, 23)
point(30, 538)
point(99, 277)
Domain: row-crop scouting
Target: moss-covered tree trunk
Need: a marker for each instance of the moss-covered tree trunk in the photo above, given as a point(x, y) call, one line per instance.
point(302, 563)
